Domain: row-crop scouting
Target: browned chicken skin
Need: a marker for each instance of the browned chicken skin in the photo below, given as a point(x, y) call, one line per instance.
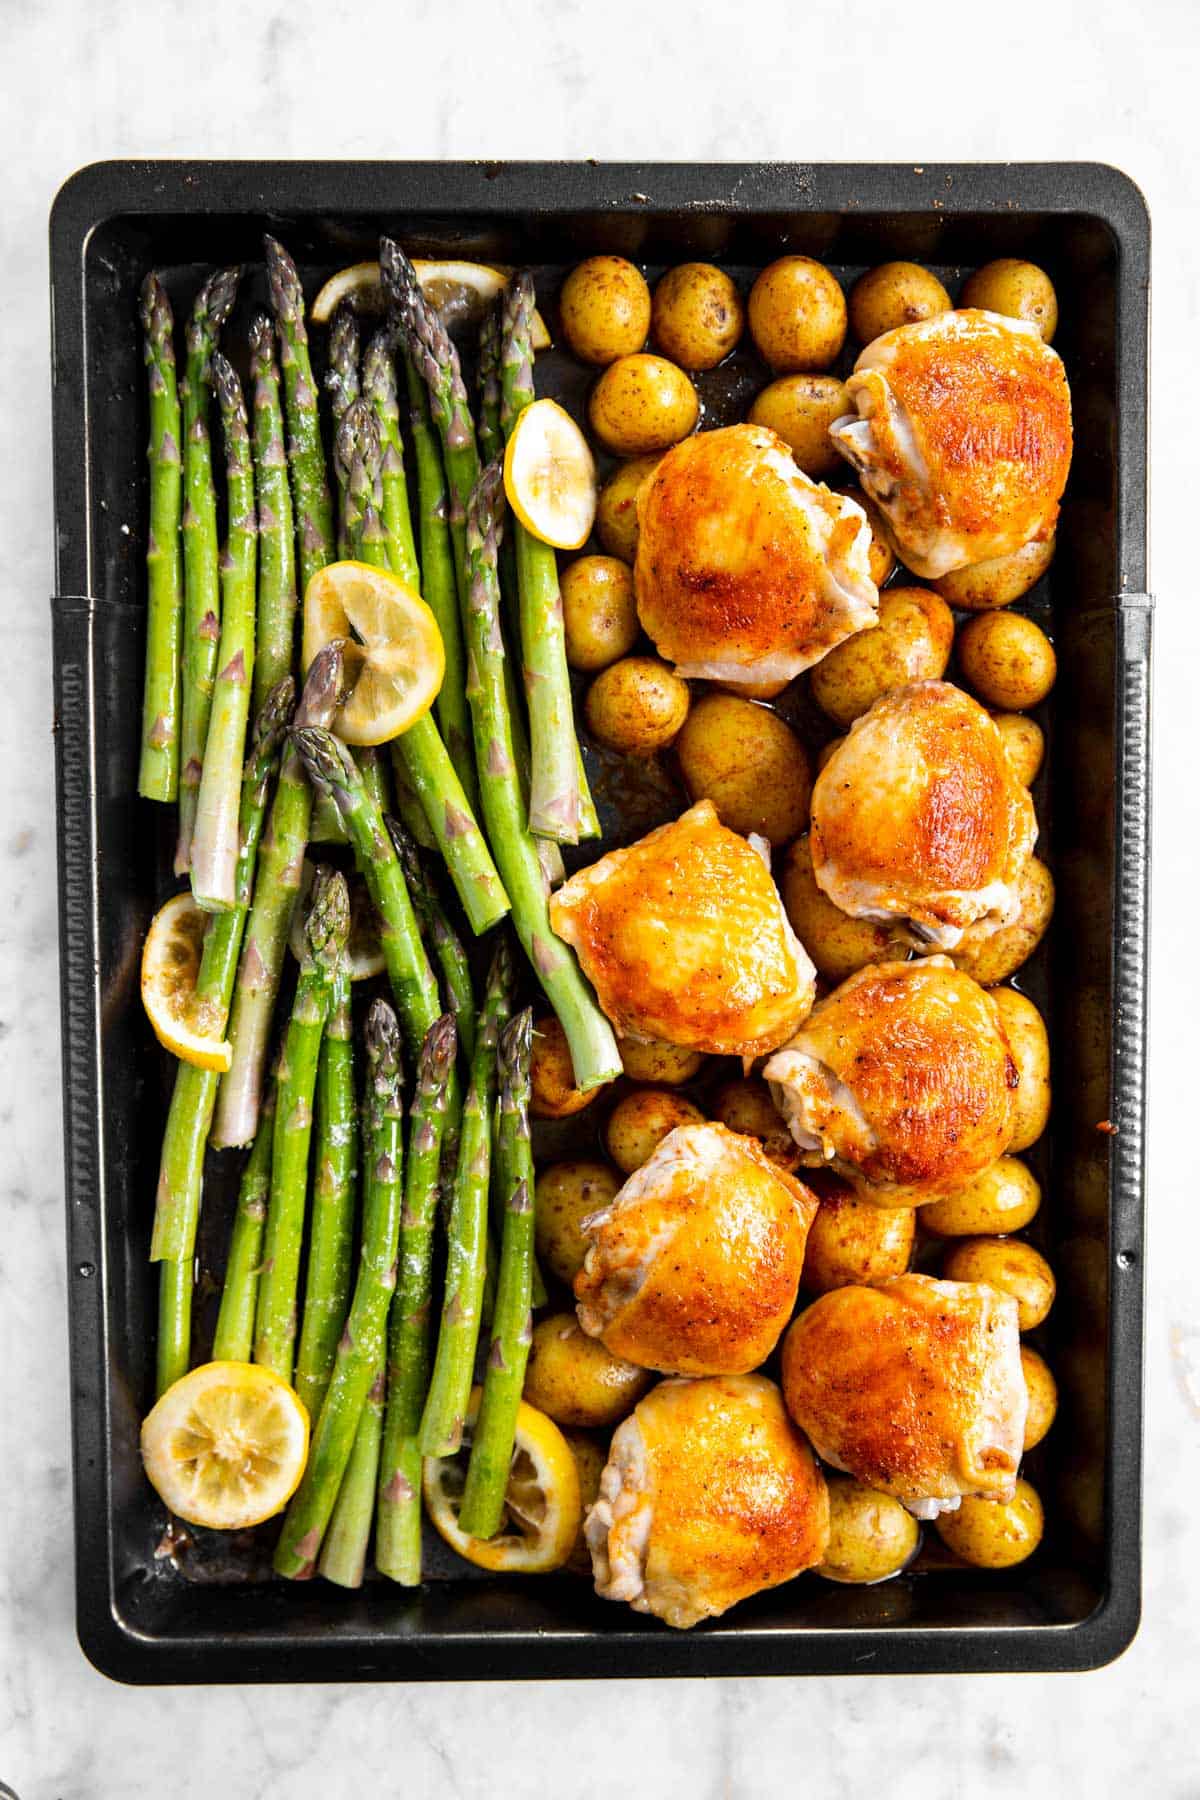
point(693, 1267)
point(710, 1494)
point(914, 1387)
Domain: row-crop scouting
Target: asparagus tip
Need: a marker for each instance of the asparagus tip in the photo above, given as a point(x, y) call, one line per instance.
point(382, 1035)
point(324, 686)
point(273, 720)
point(516, 1041)
point(328, 923)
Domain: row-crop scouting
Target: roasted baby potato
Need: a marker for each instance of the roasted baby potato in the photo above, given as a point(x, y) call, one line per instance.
point(1018, 290)
point(666, 1065)
point(912, 642)
point(797, 315)
point(871, 1536)
point(575, 1380)
point(697, 315)
point(1003, 1199)
point(749, 763)
point(1007, 659)
point(1025, 742)
point(605, 309)
point(894, 294)
point(567, 1193)
point(637, 705)
point(1042, 1389)
point(1026, 1033)
point(642, 403)
point(994, 1534)
point(882, 556)
point(747, 1106)
point(551, 1075)
point(983, 586)
point(992, 956)
point(837, 944)
point(590, 1458)
point(616, 508)
point(827, 750)
point(600, 619)
point(852, 1243)
point(1009, 1265)
point(800, 409)
point(639, 1122)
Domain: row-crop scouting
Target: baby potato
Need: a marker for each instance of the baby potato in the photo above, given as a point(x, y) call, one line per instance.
point(590, 1458)
point(983, 586)
point(894, 294)
point(747, 1106)
point(994, 1534)
point(605, 309)
point(1018, 290)
point(616, 508)
point(642, 403)
point(1009, 1265)
point(749, 763)
point(992, 956)
point(911, 642)
point(797, 315)
point(837, 944)
point(1003, 1199)
point(852, 1243)
point(800, 409)
point(638, 1124)
point(600, 619)
point(827, 750)
point(697, 316)
point(1042, 1389)
point(1025, 742)
point(575, 1380)
point(637, 705)
point(551, 1074)
point(881, 556)
point(666, 1065)
point(1026, 1034)
point(1007, 659)
point(566, 1194)
point(871, 1536)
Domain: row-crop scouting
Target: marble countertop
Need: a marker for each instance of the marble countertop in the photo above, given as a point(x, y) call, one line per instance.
point(829, 81)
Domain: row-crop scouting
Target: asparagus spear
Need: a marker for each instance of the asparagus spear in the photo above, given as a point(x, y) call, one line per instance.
point(335, 1182)
point(181, 1171)
point(398, 1528)
point(512, 1321)
point(344, 1552)
point(341, 382)
point(158, 771)
point(379, 388)
point(440, 935)
point(258, 975)
point(276, 530)
point(233, 1340)
point(310, 485)
point(214, 845)
point(325, 933)
point(362, 1342)
point(201, 581)
point(593, 1047)
point(491, 431)
point(407, 804)
point(466, 1252)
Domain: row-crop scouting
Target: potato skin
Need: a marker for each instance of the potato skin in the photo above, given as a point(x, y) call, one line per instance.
point(894, 294)
point(747, 1106)
point(642, 403)
point(994, 956)
point(837, 944)
point(828, 750)
point(1018, 290)
point(1025, 742)
point(749, 763)
point(605, 309)
point(575, 1380)
point(637, 705)
point(661, 1065)
point(697, 315)
point(1003, 1199)
point(1007, 659)
point(871, 1536)
point(1010, 1266)
point(911, 642)
point(600, 619)
point(566, 1193)
point(551, 1074)
point(1026, 1033)
point(640, 1121)
point(852, 1243)
point(800, 409)
point(797, 315)
point(984, 586)
point(590, 1458)
point(616, 509)
point(1042, 1389)
point(882, 558)
point(994, 1534)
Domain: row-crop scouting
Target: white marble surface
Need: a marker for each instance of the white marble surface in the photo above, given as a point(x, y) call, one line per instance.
point(824, 80)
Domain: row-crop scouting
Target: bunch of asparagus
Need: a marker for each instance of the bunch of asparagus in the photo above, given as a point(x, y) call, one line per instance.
point(482, 787)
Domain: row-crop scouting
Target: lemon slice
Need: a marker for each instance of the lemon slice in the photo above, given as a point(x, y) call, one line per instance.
point(225, 1446)
point(550, 476)
point(394, 655)
point(542, 1507)
point(459, 292)
point(190, 1029)
point(363, 946)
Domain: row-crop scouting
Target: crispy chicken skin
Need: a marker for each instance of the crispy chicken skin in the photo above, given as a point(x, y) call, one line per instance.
point(902, 1079)
point(915, 1387)
point(918, 816)
point(962, 435)
point(710, 1494)
point(694, 1266)
point(684, 938)
point(746, 570)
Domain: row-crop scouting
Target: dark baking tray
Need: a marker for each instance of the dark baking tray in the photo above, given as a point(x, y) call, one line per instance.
point(148, 1617)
